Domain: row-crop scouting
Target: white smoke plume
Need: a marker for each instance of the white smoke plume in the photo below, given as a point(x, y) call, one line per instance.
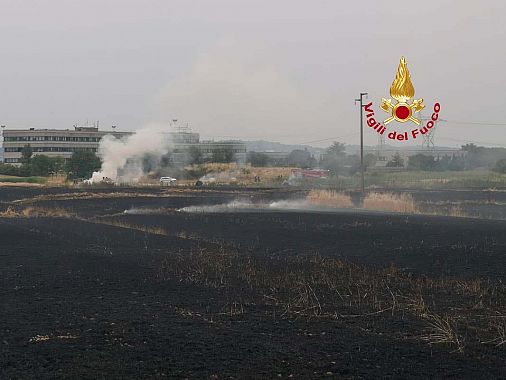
point(231, 92)
point(122, 158)
point(247, 206)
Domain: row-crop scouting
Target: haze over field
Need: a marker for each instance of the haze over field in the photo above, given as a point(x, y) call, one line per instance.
point(286, 70)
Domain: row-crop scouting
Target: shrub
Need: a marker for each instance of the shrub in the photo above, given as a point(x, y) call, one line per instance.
point(500, 166)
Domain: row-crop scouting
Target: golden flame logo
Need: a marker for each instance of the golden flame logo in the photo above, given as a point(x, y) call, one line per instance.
point(402, 90)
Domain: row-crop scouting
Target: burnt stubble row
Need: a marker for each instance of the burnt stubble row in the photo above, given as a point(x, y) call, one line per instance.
point(90, 292)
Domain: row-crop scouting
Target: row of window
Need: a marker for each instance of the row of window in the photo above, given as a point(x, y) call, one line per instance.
point(51, 138)
point(50, 149)
point(210, 151)
point(224, 149)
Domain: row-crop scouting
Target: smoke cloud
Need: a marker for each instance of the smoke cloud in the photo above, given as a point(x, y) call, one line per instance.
point(123, 160)
point(233, 92)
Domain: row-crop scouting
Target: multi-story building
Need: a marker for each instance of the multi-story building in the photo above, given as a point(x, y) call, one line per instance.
point(185, 143)
point(236, 148)
point(63, 143)
point(52, 142)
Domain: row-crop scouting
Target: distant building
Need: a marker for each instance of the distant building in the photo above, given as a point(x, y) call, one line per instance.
point(238, 149)
point(276, 156)
point(53, 142)
point(63, 143)
point(184, 142)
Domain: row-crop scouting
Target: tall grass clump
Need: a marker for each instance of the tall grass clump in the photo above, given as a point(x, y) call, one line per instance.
point(390, 202)
point(329, 198)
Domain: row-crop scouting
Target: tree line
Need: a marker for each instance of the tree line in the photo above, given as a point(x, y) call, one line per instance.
point(335, 159)
point(82, 164)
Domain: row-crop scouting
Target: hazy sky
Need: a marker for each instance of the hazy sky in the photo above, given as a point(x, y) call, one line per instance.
point(280, 70)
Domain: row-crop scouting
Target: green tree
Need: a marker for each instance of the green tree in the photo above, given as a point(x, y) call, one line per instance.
point(353, 163)
point(41, 165)
point(195, 155)
point(332, 162)
point(7, 169)
point(57, 164)
point(82, 164)
point(370, 160)
point(301, 158)
point(500, 166)
point(470, 147)
point(334, 158)
point(258, 159)
point(396, 162)
point(422, 162)
point(26, 154)
point(481, 157)
point(337, 149)
point(223, 155)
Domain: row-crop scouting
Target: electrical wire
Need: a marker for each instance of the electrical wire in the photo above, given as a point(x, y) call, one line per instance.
point(475, 123)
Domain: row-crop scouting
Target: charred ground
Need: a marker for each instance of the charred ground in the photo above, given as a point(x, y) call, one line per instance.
point(88, 291)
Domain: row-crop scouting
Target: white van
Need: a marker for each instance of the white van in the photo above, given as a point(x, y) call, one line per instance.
point(167, 181)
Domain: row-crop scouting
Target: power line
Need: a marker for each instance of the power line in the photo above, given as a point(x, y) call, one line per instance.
point(473, 141)
point(475, 123)
point(330, 138)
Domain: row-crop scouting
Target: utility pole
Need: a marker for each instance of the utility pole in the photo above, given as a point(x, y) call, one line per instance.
point(362, 169)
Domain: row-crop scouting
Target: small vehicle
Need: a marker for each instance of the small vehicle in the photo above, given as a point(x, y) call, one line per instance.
point(167, 181)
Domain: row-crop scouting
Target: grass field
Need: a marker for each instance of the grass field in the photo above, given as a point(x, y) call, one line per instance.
point(426, 180)
point(14, 179)
point(386, 179)
point(223, 174)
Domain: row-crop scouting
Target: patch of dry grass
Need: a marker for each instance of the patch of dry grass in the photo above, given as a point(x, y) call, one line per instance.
point(318, 287)
point(85, 195)
point(239, 174)
point(390, 202)
point(10, 212)
point(20, 184)
point(44, 338)
point(149, 230)
point(35, 212)
point(329, 198)
point(47, 212)
point(442, 330)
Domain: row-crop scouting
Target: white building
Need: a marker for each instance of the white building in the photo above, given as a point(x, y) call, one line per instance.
point(64, 142)
point(52, 142)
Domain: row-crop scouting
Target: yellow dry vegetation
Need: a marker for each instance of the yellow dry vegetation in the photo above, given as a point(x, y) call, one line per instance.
point(330, 198)
point(390, 202)
point(34, 212)
point(225, 173)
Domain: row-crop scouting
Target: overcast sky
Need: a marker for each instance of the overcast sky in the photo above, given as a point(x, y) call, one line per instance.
point(285, 70)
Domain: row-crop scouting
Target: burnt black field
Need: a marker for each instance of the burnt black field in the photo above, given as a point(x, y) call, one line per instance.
point(89, 291)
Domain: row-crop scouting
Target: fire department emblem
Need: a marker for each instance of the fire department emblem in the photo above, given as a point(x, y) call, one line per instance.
point(402, 91)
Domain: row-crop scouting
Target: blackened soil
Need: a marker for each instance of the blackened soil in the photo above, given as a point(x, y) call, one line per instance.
point(433, 246)
point(80, 299)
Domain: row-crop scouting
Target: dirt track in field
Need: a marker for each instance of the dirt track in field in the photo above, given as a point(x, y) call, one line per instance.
point(103, 294)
